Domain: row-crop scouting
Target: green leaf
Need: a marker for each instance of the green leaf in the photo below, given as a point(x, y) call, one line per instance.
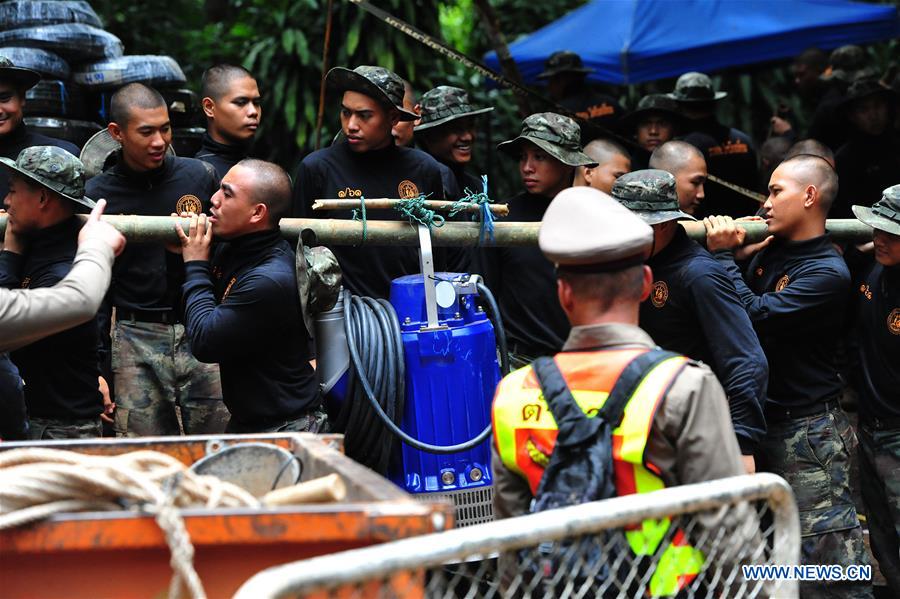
point(301, 45)
point(352, 39)
point(290, 104)
point(287, 40)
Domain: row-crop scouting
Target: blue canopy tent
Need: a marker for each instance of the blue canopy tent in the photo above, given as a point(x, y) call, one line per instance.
point(630, 41)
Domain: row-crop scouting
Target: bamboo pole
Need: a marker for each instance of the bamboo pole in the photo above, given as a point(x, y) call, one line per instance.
point(386, 203)
point(160, 229)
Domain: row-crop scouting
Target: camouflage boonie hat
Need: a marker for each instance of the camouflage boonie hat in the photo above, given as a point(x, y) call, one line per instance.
point(53, 168)
point(884, 215)
point(652, 103)
point(695, 87)
point(318, 280)
point(845, 62)
point(863, 88)
point(651, 194)
point(556, 134)
point(376, 82)
point(564, 61)
point(444, 104)
point(23, 76)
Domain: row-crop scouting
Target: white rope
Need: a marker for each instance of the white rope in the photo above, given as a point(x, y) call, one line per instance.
point(36, 483)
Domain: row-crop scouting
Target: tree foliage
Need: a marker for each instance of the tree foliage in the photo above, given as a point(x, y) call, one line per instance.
point(281, 42)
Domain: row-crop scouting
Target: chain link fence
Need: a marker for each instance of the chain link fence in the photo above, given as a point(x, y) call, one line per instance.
point(689, 541)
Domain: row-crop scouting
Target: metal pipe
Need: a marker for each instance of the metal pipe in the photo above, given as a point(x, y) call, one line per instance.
point(161, 229)
point(379, 203)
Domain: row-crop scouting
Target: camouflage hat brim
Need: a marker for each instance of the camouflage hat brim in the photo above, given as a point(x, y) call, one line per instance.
point(344, 79)
point(12, 166)
point(551, 72)
point(876, 221)
point(656, 217)
point(26, 77)
point(679, 98)
point(450, 118)
point(569, 157)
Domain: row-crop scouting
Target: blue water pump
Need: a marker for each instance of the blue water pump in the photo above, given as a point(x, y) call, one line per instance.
point(410, 383)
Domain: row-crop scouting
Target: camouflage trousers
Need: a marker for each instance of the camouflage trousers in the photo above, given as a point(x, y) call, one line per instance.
point(154, 371)
point(879, 473)
point(314, 422)
point(49, 429)
point(813, 455)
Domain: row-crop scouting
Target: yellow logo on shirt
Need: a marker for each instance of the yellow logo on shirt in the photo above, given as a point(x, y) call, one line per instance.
point(407, 190)
point(349, 193)
point(660, 294)
point(782, 283)
point(864, 289)
point(188, 203)
point(893, 321)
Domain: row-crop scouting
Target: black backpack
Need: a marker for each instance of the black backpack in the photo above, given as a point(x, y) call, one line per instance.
point(581, 465)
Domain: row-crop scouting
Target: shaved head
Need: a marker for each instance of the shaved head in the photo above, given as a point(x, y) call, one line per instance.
point(807, 169)
point(613, 161)
point(216, 80)
point(813, 147)
point(133, 95)
point(673, 156)
point(602, 150)
point(271, 186)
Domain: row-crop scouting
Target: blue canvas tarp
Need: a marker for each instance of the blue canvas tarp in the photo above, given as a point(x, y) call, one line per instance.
point(630, 41)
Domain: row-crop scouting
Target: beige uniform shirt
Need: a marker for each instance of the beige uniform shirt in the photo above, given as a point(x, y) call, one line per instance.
point(691, 439)
point(27, 315)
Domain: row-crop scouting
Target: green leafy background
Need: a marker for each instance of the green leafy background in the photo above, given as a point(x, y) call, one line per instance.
point(281, 42)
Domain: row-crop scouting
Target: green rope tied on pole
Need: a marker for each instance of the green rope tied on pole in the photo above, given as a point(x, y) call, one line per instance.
point(414, 209)
point(356, 216)
point(484, 216)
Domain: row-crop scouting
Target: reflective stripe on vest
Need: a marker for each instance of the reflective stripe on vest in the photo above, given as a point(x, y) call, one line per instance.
point(525, 435)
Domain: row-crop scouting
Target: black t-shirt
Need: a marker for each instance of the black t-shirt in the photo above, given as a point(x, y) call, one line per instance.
point(524, 283)
point(60, 371)
point(601, 111)
point(221, 156)
point(145, 276)
point(242, 311)
point(18, 140)
point(878, 335)
point(796, 294)
point(392, 172)
point(695, 310)
point(729, 156)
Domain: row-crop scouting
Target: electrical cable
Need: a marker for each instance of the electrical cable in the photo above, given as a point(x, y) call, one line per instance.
point(371, 411)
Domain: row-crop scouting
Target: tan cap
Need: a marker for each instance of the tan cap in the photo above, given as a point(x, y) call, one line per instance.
point(585, 230)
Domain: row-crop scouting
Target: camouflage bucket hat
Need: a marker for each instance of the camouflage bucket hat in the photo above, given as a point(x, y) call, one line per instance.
point(564, 61)
point(444, 104)
point(650, 103)
point(695, 87)
point(318, 280)
point(53, 168)
point(845, 61)
point(884, 215)
point(21, 75)
point(650, 194)
point(556, 134)
point(376, 82)
point(864, 88)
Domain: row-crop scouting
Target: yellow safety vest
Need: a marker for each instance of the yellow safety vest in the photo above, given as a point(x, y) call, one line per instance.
point(525, 435)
